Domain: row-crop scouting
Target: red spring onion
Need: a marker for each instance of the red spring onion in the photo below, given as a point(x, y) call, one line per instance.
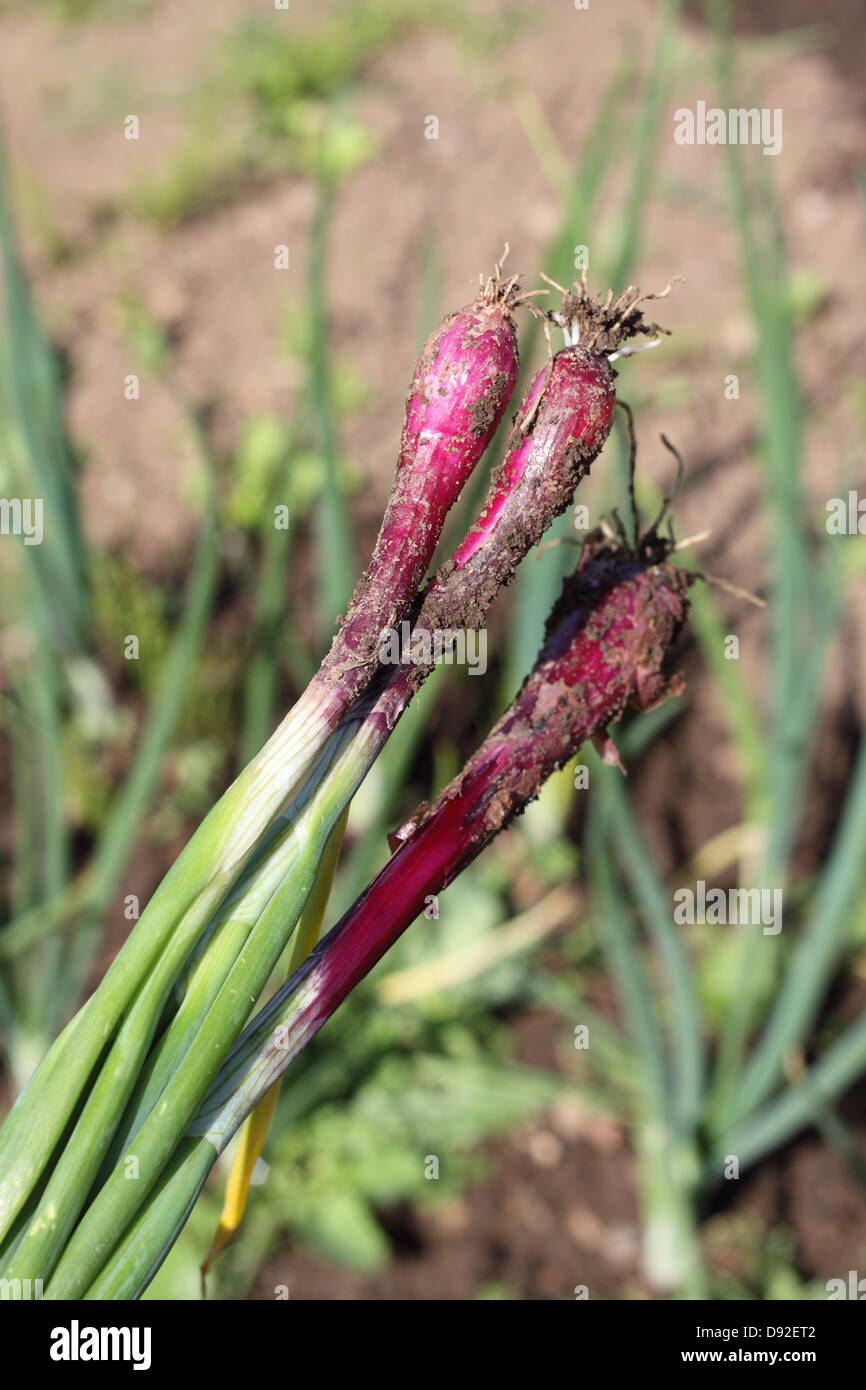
point(608, 643)
point(460, 388)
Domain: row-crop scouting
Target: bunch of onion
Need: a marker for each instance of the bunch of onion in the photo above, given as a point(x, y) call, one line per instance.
point(93, 1141)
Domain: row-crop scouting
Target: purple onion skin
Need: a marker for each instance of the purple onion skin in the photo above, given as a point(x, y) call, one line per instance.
point(563, 423)
point(461, 386)
point(560, 429)
point(608, 645)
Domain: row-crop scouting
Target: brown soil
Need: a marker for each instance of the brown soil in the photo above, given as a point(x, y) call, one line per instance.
point(559, 1213)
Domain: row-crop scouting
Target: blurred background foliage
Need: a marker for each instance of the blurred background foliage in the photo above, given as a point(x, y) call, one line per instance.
point(702, 1044)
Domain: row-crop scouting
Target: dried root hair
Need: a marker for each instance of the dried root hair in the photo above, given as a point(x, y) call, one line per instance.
point(604, 325)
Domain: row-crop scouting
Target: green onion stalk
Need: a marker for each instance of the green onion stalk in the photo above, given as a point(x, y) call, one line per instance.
point(608, 644)
point(460, 388)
